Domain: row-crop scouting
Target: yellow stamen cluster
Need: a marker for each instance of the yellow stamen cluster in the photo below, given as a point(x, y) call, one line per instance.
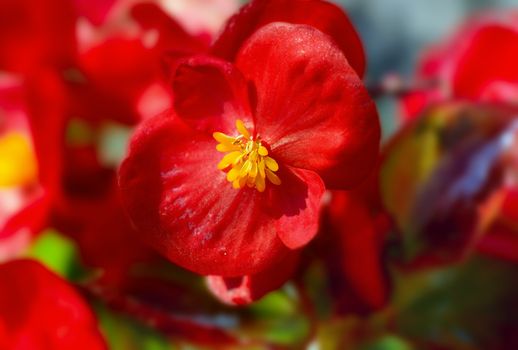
point(246, 160)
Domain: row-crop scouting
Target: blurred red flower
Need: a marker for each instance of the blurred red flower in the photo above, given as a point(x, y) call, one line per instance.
point(477, 64)
point(88, 84)
point(304, 122)
point(28, 161)
point(39, 310)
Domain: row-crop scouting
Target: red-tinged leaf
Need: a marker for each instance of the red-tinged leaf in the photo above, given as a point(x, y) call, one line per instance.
point(440, 175)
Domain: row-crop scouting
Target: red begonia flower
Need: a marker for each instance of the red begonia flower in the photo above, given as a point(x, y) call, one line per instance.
point(304, 122)
point(247, 289)
point(321, 15)
point(477, 64)
point(39, 310)
point(36, 33)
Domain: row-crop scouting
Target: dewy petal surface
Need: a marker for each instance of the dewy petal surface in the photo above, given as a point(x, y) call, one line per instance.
point(321, 15)
point(184, 207)
point(310, 105)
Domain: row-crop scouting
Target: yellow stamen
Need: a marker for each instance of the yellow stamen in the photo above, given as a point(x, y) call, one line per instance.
point(18, 165)
point(247, 160)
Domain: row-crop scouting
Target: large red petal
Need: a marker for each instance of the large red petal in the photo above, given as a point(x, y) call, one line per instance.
point(39, 310)
point(311, 107)
point(184, 206)
point(210, 94)
point(247, 289)
point(321, 15)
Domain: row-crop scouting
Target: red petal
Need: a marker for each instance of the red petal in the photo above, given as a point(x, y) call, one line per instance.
point(171, 35)
point(247, 289)
point(19, 228)
point(110, 88)
point(210, 94)
point(41, 311)
point(35, 33)
point(311, 106)
point(501, 240)
point(46, 104)
point(95, 10)
point(321, 15)
point(354, 254)
point(490, 58)
point(296, 206)
point(184, 206)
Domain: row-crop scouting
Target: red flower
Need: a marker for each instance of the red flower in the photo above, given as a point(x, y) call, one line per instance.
point(38, 310)
point(28, 150)
point(475, 64)
point(293, 118)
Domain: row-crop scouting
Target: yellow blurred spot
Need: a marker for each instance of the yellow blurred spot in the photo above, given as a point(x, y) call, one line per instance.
point(18, 165)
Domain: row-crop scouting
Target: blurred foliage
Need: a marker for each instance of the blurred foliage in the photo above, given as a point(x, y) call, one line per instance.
point(59, 254)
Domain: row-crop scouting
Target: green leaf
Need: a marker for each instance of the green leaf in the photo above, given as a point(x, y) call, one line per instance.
point(469, 305)
point(58, 253)
point(122, 333)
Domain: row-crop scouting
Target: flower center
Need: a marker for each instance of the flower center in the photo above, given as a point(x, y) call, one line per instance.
point(246, 160)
